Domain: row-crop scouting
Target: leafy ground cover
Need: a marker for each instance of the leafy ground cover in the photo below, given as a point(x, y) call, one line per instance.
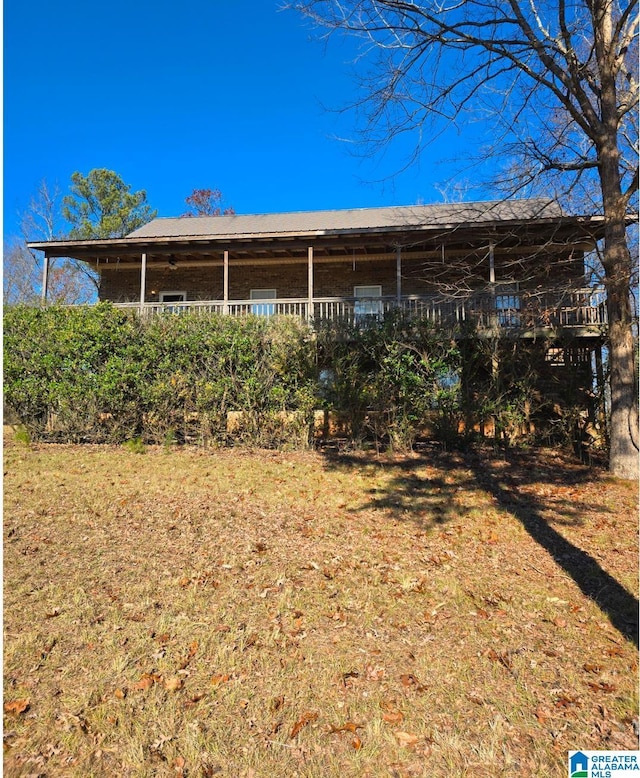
point(189, 612)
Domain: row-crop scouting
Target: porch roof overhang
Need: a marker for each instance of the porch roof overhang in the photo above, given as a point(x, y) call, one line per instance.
point(372, 233)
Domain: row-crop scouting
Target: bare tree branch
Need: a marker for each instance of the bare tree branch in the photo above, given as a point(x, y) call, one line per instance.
point(558, 82)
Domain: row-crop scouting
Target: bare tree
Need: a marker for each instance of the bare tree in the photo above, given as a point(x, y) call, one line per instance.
point(558, 82)
point(207, 202)
point(22, 279)
point(21, 276)
point(70, 281)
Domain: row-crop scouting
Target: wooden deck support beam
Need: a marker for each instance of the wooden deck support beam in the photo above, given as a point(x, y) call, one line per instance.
point(492, 264)
point(45, 280)
point(310, 283)
point(225, 282)
point(143, 282)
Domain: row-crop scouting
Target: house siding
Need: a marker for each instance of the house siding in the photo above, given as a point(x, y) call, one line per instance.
point(335, 279)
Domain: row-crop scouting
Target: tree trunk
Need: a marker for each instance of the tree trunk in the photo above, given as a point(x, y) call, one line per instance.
point(623, 452)
point(623, 427)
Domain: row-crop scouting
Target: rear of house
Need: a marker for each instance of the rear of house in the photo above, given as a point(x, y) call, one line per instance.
point(513, 271)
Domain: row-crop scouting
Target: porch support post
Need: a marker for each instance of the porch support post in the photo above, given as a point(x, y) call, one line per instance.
point(398, 276)
point(492, 265)
point(143, 282)
point(495, 355)
point(225, 283)
point(602, 397)
point(310, 283)
point(45, 280)
point(492, 286)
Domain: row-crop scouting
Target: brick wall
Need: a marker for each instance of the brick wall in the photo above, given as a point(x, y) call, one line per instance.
point(330, 280)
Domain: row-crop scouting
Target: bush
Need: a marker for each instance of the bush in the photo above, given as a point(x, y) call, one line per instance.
point(68, 370)
point(99, 374)
point(392, 380)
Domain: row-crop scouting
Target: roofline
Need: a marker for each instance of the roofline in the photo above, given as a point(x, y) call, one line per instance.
point(157, 241)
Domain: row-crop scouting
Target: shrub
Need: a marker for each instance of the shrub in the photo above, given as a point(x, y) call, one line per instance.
point(99, 374)
point(389, 379)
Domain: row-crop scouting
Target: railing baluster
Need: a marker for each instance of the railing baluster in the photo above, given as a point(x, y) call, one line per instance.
point(579, 308)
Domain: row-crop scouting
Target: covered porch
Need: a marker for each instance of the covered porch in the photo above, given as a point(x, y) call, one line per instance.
point(582, 310)
point(515, 265)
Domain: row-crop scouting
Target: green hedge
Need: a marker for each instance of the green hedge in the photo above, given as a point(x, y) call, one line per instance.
point(394, 380)
point(99, 374)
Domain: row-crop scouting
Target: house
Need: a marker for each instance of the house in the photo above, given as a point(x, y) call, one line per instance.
point(513, 268)
point(518, 263)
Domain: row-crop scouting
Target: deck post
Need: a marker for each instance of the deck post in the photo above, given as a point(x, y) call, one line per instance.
point(310, 283)
point(45, 280)
point(398, 276)
point(601, 387)
point(225, 283)
point(492, 265)
point(143, 282)
point(493, 314)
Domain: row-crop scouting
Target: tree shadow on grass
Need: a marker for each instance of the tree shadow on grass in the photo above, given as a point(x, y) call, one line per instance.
point(431, 501)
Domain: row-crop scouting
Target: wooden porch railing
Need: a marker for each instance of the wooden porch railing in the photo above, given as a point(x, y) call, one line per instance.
point(519, 310)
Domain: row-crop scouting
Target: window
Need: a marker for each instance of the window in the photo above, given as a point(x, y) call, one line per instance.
point(263, 309)
point(508, 304)
point(366, 306)
point(555, 356)
point(173, 297)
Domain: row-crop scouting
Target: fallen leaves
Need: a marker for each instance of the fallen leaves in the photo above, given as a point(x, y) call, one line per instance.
point(302, 722)
point(601, 686)
point(199, 579)
point(349, 677)
point(16, 707)
point(173, 684)
point(349, 726)
point(352, 728)
point(276, 703)
point(224, 663)
point(568, 700)
point(505, 658)
point(194, 700)
point(542, 714)
point(406, 739)
point(147, 680)
point(409, 681)
point(393, 716)
point(193, 648)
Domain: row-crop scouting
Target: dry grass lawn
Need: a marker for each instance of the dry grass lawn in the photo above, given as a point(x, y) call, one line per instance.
point(230, 613)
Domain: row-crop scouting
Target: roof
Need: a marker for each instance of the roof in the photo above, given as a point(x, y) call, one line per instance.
point(408, 217)
point(366, 230)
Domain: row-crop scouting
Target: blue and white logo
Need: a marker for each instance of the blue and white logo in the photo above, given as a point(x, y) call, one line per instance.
point(578, 765)
point(604, 764)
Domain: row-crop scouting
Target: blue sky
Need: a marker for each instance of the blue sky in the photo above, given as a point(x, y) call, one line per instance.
point(205, 94)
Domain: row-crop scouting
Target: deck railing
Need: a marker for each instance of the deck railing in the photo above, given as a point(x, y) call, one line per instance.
point(517, 310)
